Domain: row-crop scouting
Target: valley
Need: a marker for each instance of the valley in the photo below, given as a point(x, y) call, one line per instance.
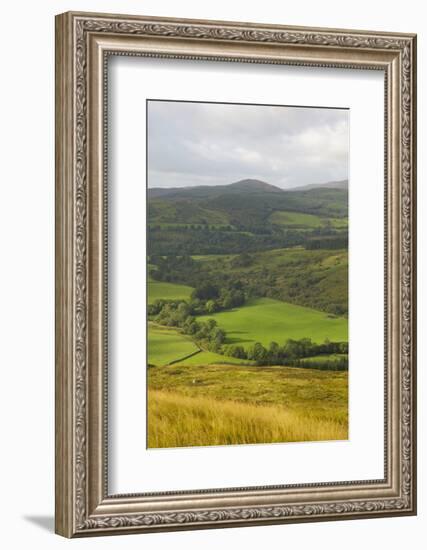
point(248, 314)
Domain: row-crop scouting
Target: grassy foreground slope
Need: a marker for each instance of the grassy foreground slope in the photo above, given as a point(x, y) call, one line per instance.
point(179, 421)
point(297, 219)
point(223, 404)
point(265, 320)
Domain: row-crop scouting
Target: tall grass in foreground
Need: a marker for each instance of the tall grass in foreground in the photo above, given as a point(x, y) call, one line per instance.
point(176, 420)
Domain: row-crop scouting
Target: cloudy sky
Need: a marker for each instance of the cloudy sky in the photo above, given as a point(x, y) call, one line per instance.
point(215, 144)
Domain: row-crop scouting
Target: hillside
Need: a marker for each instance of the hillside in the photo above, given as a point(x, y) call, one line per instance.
point(245, 216)
point(341, 184)
point(255, 195)
point(316, 279)
point(203, 191)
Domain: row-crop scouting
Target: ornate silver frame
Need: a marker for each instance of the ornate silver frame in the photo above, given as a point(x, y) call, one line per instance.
point(83, 42)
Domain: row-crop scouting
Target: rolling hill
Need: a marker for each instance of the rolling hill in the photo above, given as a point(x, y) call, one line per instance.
point(222, 203)
point(245, 216)
point(204, 191)
point(341, 184)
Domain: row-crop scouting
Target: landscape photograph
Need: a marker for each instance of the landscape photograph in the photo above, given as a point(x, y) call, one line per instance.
point(247, 274)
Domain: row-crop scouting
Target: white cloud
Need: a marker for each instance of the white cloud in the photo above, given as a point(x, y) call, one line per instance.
point(208, 144)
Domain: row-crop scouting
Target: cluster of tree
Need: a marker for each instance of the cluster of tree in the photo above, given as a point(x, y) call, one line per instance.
point(242, 260)
point(333, 243)
point(206, 333)
point(300, 278)
point(208, 298)
point(209, 336)
point(169, 241)
point(202, 226)
point(178, 314)
point(290, 353)
point(186, 240)
point(205, 300)
point(339, 364)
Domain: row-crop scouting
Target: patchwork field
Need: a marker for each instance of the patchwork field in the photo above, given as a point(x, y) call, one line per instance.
point(265, 320)
point(167, 345)
point(224, 404)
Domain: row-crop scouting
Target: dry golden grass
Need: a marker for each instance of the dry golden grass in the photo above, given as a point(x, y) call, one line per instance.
point(177, 420)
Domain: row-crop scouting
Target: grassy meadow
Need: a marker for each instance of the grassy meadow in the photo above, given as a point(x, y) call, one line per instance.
point(167, 291)
point(297, 219)
point(265, 320)
point(220, 405)
point(167, 345)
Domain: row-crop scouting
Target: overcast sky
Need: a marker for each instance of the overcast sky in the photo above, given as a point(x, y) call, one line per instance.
point(214, 144)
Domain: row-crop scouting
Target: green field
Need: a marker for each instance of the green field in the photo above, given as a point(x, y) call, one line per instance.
point(307, 221)
point(223, 404)
point(297, 219)
point(166, 345)
point(265, 320)
point(167, 291)
point(183, 212)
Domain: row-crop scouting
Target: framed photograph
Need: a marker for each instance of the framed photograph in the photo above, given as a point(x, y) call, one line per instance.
point(235, 274)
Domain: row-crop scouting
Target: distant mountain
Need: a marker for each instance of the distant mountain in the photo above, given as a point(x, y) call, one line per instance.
point(342, 184)
point(248, 186)
point(253, 186)
point(207, 191)
point(245, 204)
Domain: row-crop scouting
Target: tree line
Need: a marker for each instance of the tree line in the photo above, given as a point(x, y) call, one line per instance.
point(334, 243)
point(208, 335)
point(188, 240)
point(292, 352)
point(178, 314)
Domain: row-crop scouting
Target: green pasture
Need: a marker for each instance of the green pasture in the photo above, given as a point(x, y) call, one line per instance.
point(297, 219)
point(166, 345)
point(265, 320)
point(309, 221)
point(158, 290)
